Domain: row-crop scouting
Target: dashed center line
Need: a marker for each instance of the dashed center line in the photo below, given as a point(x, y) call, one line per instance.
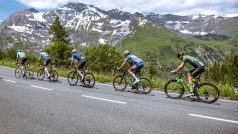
point(114, 101)
point(213, 118)
point(9, 80)
point(42, 87)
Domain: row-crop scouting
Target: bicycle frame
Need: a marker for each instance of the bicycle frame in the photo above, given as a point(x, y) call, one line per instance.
point(181, 79)
point(129, 79)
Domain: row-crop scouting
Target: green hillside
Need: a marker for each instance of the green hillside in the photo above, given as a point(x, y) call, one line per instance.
point(163, 45)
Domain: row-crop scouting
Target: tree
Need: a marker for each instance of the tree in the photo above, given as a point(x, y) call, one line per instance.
point(60, 49)
point(103, 58)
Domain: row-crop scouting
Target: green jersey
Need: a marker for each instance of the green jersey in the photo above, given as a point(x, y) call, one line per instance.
point(192, 61)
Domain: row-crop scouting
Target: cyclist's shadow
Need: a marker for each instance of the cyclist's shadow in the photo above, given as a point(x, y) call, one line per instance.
point(194, 99)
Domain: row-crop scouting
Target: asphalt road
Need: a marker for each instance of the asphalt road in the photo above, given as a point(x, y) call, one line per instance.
point(42, 107)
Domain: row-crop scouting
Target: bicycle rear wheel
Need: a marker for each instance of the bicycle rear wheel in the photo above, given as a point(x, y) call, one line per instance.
point(41, 74)
point(173, 89)
point(89, 80)
point(18, 72)
point(144, 86)
point(72, 78)
point(119, 83)
point(207, 92)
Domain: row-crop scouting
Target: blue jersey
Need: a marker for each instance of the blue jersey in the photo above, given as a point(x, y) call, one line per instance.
point(77, 56)
point(21, 55)
point(134, 59)
point(44, 56)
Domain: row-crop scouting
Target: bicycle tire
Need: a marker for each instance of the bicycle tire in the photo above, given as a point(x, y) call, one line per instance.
point(72, 76)
point(167, 89)
point(41, 74)
point(119, 83)
point(203, 94)
point(145, 86)
point(89, 80)
point(18, 72)
point(53, 75)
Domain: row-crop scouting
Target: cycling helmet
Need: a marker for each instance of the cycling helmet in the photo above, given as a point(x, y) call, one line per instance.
point(74, 51)
point(19, 50)
point(180, 54)
point(127, 52)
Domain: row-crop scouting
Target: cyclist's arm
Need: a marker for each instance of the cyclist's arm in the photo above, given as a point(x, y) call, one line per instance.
point(179, 67)
point(17, 58)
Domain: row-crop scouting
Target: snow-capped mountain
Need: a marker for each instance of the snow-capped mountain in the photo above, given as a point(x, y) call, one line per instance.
point(86, 25)
point(90, 25)
point(198, 24)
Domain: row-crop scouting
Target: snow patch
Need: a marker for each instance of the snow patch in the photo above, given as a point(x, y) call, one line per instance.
point(193, 33)
point(22, 29)
point(97, 30)
point(231, 15)
point(39, 17)
point(65, 8)
point(102, 41)
point(143, 22)
point(195, 17)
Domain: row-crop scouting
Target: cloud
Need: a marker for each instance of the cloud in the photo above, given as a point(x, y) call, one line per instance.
point(182, 7)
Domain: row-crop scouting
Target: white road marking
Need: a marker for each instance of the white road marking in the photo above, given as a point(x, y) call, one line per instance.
point(42, 87)
point(92, 97)
point(213, 118)
point(105, 84)
point(227, 100)
point(9, 81)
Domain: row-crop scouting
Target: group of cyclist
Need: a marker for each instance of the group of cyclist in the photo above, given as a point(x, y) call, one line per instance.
point(136, 64)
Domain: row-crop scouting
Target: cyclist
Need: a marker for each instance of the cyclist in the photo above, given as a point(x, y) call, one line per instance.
point(135, 62)
point(81, 62)
point(44, 56)
point(198, 69)
point(21, 55)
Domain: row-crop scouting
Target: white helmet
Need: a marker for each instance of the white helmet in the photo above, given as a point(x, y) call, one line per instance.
point(127, 52)
point(74, 51)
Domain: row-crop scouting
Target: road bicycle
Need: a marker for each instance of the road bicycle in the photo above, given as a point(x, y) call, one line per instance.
point(19, 72)
point(122, 80)
point(53, 73)
point(73, 77)
point(204, 91)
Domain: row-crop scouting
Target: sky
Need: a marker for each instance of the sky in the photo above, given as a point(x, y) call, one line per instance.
point(178, 7)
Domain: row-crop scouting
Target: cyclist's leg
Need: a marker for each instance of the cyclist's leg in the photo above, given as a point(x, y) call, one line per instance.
point(190, 80)
point(24, 65)
point(46, 63)
point(81, 66)
point(131, 71)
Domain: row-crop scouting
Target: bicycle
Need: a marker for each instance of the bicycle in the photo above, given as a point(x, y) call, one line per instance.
point(205, 92)
point(53, 73)
point(19, 70)
point(88, 79)
point(122, 80)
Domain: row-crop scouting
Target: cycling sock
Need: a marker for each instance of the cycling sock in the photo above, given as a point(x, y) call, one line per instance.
point(135, 76)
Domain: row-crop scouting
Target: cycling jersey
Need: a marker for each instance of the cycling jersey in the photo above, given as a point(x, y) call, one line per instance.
point(21, 55)
point(77, 57)
point(192, 61)
point(134, 59)
point(44, 56)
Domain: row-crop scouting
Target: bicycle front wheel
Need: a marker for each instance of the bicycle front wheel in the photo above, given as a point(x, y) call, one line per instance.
point(173, 89)
point(144, 86)
point(41, 74)
point(89, 80)
point(53, 75)
point(18, 72)
point(119, 83)
point(72, 78)
point(207, 93)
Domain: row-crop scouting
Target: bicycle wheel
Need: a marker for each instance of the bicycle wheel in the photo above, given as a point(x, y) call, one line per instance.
point(144, 86)
point(207, 92)
point(53, 75)
point(41, 74)
point(89, 80)
point(72, 78)
point(18, 72)
point(173, 89)
point(119, 83)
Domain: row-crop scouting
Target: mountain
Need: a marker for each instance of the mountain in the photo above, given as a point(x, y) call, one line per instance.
point(86, 25)
point(198, 24)
point(89, 25)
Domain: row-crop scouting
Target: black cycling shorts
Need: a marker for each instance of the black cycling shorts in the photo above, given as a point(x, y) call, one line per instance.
point(81, 64)
point(137, 68)
point(47, 61)
point(23, 61)
point(197, 71)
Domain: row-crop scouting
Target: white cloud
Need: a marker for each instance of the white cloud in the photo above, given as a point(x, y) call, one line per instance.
point(182, 7)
